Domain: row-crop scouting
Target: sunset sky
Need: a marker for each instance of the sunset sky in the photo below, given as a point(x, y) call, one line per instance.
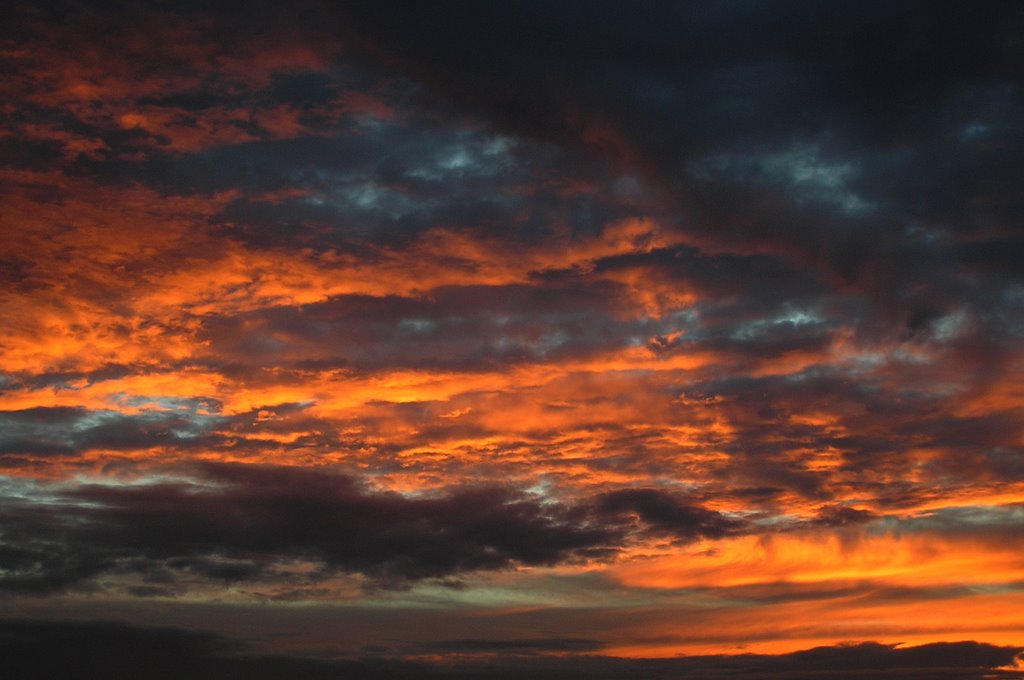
point(512, 339)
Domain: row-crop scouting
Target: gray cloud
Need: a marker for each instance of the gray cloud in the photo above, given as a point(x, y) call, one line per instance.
point(237, 523)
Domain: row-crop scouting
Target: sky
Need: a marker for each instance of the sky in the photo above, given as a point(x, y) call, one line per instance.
point(524, 339)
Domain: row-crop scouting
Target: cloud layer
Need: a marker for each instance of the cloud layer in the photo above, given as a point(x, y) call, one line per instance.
point(701, 323)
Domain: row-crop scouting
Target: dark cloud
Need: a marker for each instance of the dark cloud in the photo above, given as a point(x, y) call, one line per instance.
point(847, 139)
point(842, 516)
point(515, 646)
point(238, 523)
point(37, 650)
point(115, 651)
point(28, 154)
point(59, 430)
point(462, 328)
point(666, 513)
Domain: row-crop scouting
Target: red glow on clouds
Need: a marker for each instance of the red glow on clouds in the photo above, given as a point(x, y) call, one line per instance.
point(702, 404)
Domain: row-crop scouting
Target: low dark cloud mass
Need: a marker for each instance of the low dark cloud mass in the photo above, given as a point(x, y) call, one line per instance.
point(244, 523)
point(114, 651)
point(108, 650)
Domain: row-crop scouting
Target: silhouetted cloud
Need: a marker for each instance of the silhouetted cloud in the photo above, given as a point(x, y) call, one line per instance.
point(111, 650)
point(240, 523)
